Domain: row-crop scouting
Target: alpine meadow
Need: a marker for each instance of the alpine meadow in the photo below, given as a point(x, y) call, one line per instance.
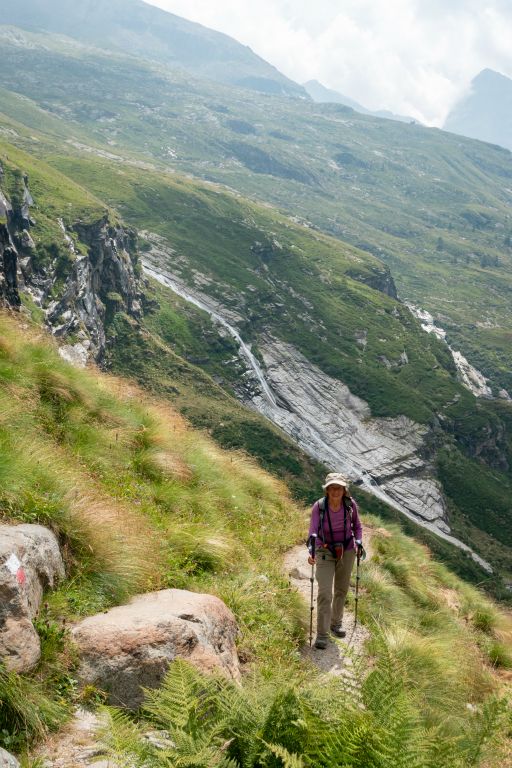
point(215, 291)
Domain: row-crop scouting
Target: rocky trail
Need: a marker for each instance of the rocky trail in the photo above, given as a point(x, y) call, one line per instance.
point(340, 656)
point(76, 746)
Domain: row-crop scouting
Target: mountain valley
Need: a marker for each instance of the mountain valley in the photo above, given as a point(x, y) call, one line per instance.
point(255, 275)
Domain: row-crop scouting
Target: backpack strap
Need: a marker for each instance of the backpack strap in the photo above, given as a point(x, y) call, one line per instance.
point(323, 508)
point(347, 506)
point(322, 505)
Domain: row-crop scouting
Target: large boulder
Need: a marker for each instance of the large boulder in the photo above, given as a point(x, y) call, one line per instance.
point(30, 562)
point(132, 646)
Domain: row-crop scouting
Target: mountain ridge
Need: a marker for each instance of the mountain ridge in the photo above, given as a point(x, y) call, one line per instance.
point(140, 29)
point(321, 94)
point(485, 112)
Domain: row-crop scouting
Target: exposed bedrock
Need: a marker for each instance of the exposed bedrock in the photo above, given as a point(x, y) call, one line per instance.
point(335, 426)
point(384, 455)
point(80, 279)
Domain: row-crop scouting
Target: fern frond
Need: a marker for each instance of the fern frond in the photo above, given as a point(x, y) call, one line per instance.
point(441, 749)
point(485, 729)
point(178, 697)
point(206, 750)
point(228, 762)
point(123, 738)
point(289, 759)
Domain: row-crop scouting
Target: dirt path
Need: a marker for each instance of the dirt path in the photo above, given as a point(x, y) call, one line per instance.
point(76, 745)
point(340, 656)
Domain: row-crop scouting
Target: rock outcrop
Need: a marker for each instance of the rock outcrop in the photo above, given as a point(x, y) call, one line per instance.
point(30, 562)
point(380, 279)
point(335, 426)
point(98, 284)
point(130, 647)
point(80, 281)
point(8, 258)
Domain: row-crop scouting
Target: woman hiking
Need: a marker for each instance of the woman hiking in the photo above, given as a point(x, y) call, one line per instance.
point(335, 521)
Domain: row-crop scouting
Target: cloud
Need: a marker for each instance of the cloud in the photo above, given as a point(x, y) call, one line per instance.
point(414, 57)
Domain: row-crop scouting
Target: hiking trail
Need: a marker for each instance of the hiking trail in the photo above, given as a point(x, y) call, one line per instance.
point(341, 655)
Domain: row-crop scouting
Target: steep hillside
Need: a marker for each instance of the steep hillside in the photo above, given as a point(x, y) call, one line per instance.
point(81, 267)
point(143, 30)
point(485, 113)
point(434, 207)
point(283, 284)
point(140, 501)
point(326, 317)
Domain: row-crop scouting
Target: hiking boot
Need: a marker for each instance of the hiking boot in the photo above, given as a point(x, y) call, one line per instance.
point(320, 644)
point(337, 631)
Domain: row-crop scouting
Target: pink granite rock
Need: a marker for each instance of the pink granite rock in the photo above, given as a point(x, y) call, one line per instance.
point(131, 646)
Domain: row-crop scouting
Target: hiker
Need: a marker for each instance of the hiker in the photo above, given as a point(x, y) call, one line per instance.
point(335, 521)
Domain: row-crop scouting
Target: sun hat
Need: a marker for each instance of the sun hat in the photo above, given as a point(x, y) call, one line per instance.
point(334, 478)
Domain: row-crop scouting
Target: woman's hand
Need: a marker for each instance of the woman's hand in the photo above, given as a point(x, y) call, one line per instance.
point(312, 560)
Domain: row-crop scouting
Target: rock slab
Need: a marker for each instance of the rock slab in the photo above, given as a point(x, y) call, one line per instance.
point(130, 647)
point(30, 562)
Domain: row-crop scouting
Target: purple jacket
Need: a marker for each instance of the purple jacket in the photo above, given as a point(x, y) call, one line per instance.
point(342, 529)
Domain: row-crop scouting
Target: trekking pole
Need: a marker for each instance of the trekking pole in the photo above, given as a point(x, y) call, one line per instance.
point(312, 580)
point(358, 578)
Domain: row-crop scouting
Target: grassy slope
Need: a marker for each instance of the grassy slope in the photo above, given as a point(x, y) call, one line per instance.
point(306, 263)
point(316, 268)
point(219, 235)
point(81, 448)
point(432, 205)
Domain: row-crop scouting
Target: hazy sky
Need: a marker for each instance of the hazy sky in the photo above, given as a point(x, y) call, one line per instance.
point(414, 57)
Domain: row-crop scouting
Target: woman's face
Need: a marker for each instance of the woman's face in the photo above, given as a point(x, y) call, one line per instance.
point(335, 494)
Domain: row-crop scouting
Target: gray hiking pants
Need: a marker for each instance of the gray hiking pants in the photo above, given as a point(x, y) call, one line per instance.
point(331, 572)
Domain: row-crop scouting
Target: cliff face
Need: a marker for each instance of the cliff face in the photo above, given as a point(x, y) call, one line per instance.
point(8, 257)
point(79, 280)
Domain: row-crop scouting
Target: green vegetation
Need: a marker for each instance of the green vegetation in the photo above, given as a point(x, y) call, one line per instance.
point(55, 198)
point(140, 501)
point(156, 367)
point(209, 723)
point(431, 205)
point(456, 560)
point(26, 711)
point(281, 278)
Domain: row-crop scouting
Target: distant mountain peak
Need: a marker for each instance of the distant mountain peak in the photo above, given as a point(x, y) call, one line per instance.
point(485, 111)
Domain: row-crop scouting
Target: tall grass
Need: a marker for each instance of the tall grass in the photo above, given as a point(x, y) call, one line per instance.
point(140, 501)
point(27, 713)
point(137, 499)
